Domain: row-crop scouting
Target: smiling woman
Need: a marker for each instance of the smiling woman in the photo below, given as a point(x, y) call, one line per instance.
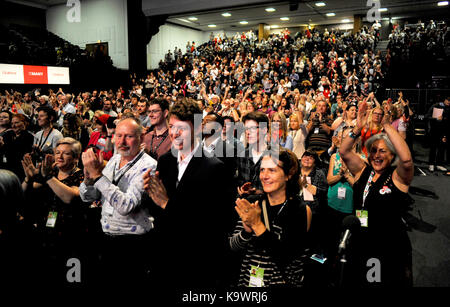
point(56, 209)
point(273, 228)
point(380, 190)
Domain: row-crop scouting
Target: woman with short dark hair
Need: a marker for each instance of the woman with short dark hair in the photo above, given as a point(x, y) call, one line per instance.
point(272, 231)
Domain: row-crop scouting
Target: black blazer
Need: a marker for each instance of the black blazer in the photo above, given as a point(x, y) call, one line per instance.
point(192, 230)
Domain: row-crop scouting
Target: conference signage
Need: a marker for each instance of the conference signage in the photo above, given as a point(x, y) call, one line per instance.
point(30, 74)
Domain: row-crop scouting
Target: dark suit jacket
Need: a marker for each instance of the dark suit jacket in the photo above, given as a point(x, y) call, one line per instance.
point(192, 230)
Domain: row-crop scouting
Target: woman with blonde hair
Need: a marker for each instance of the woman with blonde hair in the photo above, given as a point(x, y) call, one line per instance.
point(373, 127)
point(298, 132)
point(279, 131)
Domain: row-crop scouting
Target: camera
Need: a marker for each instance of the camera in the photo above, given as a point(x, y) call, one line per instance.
point(37, 155)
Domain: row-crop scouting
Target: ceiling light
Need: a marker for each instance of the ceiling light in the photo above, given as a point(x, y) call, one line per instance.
point(346, 20)
point(274, 26)
point(319, 4)
point(270, 9)
point(284, 18)
point(243, 22)
point(184, 20)
point(226, 14)
point(383, 9)
point(212, 26)
point(193, 18)
point(330, 14)
point(442, 3)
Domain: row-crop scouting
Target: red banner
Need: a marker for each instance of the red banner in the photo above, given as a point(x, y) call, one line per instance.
point(35, 74)
point(30, 74)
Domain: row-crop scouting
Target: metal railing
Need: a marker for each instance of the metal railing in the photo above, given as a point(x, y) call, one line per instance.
point(420, 99)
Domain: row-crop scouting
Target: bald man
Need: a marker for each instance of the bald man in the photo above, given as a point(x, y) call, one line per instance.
point(119, 187)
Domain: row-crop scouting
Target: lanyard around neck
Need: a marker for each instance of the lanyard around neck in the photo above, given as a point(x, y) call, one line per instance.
point(116, 181)
point(367, 188)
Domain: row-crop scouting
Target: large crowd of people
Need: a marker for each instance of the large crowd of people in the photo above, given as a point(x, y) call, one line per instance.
point(233, 164)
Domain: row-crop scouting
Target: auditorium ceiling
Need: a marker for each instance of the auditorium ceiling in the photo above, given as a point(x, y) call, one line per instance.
point(247, 14)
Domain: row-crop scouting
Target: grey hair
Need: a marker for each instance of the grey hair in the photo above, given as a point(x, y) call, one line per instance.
point(75, 146)
point(387, 141)
point(139, 128)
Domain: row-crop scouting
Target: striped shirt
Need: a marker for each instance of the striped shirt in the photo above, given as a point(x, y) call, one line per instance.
point(281, 252)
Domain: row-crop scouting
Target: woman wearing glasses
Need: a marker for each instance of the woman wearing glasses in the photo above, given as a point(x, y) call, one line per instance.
point(379, 192)
point(372, 127)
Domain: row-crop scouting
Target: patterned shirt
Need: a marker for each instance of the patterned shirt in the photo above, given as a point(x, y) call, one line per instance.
point(122, 212)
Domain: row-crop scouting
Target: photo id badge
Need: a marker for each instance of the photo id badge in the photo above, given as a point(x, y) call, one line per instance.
point(341, 192)
point(51, 220)
point(256, 277)
point(363, 216)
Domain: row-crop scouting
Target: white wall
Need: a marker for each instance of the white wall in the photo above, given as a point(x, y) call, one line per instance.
point(104, 20)
point(169, 37)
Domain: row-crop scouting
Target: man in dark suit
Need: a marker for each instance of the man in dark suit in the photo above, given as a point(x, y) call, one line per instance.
point(193, 197)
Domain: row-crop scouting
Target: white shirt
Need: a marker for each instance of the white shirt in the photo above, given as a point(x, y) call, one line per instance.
point(183, 164)
point(211, 148)
point(122, 211)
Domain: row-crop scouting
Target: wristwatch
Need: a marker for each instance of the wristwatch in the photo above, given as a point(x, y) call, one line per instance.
point(353, 135)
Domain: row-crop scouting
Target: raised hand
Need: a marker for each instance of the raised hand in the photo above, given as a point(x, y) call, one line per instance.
point(246, 189)
point(363, 114)
point(155, 189)
point(28, 166)
point(250, 213)
point(47, 165)
point(93, 164)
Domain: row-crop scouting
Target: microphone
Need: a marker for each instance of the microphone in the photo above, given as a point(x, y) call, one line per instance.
point(351, 224)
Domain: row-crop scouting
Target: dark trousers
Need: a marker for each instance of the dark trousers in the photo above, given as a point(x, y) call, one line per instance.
point(125, 259)
point(437, 148)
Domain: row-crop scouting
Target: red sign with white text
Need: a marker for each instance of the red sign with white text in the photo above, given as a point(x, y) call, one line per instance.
point(30, 74)
point(35, 74)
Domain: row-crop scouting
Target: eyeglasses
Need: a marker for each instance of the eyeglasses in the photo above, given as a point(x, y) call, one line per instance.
point(154, 111)
point(251, 129)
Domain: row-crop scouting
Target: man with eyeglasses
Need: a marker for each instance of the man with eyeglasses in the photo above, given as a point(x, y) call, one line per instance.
point(157, 141)
point(256, 128)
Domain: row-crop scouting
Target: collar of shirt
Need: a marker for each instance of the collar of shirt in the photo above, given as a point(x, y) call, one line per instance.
point(182, 164)
point(257, 155)
point(118, 170)
point(210, 149)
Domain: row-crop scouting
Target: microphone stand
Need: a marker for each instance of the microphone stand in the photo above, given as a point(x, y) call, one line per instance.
point(342, 263)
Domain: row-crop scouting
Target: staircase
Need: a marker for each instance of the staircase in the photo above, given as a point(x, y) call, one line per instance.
point(382, 46)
